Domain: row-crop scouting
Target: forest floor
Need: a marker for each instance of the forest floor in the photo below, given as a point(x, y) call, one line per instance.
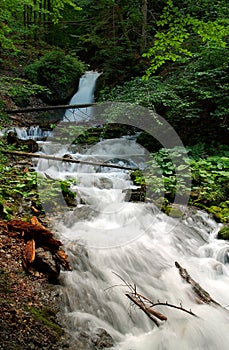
point(29, 312)
point(29, 303)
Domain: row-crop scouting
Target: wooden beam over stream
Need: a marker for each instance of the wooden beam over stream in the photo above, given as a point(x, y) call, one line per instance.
point(68, 160)
point(48, 108)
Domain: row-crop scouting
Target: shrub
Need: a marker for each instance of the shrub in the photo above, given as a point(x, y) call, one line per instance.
point(57, 71)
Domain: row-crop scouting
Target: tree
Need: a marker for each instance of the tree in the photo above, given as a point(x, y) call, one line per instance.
point(15, 15)
point(181, 34)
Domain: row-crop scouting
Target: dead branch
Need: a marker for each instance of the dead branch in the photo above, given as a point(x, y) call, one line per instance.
point(67, 159)
point(148, 306)
point(175, 307)
point(133, 289)
point(141, 305)
point(202, 294)
point(48, 108)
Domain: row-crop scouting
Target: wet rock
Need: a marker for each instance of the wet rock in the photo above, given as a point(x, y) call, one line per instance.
point(137, 194)
point(174, 211)
point(12, 139)
point(45, 263)
point(224, 233)
point(67, 156)
point(101, 339)
point(103, 183)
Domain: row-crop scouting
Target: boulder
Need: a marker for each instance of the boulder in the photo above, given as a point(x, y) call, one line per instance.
point(12, 139)
point(101, 339)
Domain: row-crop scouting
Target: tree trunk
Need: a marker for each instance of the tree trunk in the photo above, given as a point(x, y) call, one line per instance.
point(203, 295)
point(123, 26)
point(67, 159)
point(143, 44)
point(48, 108)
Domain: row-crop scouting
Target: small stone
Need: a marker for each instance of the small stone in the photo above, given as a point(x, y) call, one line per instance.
point(101, 339)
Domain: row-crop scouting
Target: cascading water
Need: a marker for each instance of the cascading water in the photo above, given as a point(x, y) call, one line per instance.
point(33, 132)
point(85, 94)
point(26, 133)
point(106, 233)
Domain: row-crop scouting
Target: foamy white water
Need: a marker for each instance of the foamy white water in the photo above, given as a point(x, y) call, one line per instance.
point(107, 235)
point(85, 94)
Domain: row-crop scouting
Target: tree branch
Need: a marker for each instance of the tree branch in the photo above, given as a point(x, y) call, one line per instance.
point(48, 108)
point(68, 160)
point(204, 297)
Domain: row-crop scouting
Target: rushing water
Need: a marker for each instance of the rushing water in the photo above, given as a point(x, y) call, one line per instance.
point(85, 94)
point(33, 132)
point(107, 235)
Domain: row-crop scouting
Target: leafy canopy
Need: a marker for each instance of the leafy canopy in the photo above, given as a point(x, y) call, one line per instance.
point(12, 16)
point(179, 33)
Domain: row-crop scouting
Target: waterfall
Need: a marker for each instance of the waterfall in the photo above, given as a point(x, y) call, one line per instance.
point(85, 94)
point(33, 132)
point(107, 236)
point(106, 233)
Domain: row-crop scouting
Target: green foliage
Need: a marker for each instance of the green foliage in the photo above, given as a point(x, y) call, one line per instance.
point(201, 91)
point(195, 93)
point(7, 21)
point(224, 233)
point(167, 173)
point(54, 195)
point(16, 186)
point(19, 189)
point(55, 65)
point(13, 13)
point(57, 71)
point(57, 7)
point(210, 180)
point(178, 30)
point(20, 90)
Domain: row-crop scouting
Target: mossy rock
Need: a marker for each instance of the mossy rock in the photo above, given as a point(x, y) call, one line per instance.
point(220, 214)
point(86, 138)
point(139, 194)
point(224, 233)
point(47, 317)
point(174, 212)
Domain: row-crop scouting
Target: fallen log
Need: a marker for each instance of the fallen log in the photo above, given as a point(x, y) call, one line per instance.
point(67, 159)
point(202, 294)
point(29, 252)
point(28, 231)
point(48, 108)
point(42, 251)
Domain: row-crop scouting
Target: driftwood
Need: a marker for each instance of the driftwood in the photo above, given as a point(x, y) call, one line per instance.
point(29, 253)
point(28, 231)
point(202, 295)
point(149, 311)
point(67, 159)
point(37, 237)
point(148, 306)
point(48, 108)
